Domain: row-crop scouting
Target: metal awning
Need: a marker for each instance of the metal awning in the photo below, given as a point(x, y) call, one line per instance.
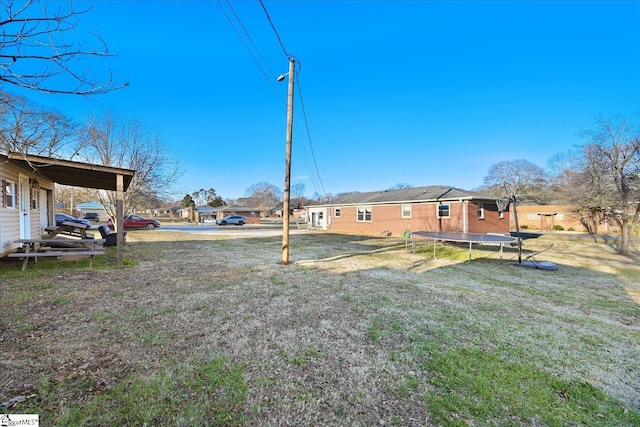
point(80, 174)
point(77, 174)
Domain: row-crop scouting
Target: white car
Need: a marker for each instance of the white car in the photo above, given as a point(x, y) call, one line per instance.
point(232, 219)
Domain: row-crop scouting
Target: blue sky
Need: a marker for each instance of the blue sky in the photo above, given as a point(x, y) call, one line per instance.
point(416, 92)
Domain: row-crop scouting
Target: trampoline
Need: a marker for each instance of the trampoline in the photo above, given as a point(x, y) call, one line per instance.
point(471, 238)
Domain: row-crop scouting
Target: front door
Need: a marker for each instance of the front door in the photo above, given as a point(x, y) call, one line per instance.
point(24, 200)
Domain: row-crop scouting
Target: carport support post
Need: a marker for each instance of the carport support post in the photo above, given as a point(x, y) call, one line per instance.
point(120, 219)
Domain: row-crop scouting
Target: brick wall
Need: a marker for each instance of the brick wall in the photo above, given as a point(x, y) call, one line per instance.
point(490, 222)
point(545, 217)
point(423, 218)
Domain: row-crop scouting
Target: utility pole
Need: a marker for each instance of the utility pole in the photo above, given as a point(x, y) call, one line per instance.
point(287, 168)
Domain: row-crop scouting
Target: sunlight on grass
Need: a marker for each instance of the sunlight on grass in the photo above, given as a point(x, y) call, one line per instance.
point(211, 393)
point(473, 386)
point(634, 293)
point(356, 324)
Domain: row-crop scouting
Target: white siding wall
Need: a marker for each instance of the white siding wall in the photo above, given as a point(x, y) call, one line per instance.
point(43, 207)
point(10, 218)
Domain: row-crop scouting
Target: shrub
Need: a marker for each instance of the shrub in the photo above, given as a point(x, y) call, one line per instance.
point(558, 227)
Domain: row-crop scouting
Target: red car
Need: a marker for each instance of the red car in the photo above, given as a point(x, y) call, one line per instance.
point(136, 221)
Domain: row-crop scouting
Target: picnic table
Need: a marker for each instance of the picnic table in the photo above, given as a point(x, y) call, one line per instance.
point(57, 247)
point(69, 228)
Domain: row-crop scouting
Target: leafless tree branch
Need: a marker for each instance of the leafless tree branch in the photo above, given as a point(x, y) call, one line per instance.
point(30, 129)
point(122, 142)
point(34, 53)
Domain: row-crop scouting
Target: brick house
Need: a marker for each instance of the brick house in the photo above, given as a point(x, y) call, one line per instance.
point(548, 217)
point(252, 215)
point(432, 208)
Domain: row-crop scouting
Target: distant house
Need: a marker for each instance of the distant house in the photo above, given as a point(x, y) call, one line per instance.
point(252, 215)
point(432, 208)
point(205, 213)
point(550, 217)
point(92, 207)
point(173, 212)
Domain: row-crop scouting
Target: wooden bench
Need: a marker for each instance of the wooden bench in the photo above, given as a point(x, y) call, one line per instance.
point(35, 248)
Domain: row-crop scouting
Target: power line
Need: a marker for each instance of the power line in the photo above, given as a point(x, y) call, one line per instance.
point(312, 175)
point(274, 29)
point(269, 79)
point(306, 124)
point(249, 36)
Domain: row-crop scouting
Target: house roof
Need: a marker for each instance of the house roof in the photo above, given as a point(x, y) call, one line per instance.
point(431, 193)
point(77, 174)
point(204, 208)
point(89, 205)
point(234, 208)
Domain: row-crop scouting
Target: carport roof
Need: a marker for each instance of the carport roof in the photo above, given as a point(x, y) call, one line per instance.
point(77, 174)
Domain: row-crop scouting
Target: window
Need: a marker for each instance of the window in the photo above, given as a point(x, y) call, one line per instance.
point(336, 212)
point(533, 216)
point(8, 194)
point(364, 214)
point(406, 211)
point(480, 211)
point(443, 211)
point(35, 193)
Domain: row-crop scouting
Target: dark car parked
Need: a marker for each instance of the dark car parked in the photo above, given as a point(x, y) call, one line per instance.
point(92, 216)
point(136, 221)
point(60, 218)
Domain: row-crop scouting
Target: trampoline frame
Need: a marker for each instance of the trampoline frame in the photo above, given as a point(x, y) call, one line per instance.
point(450, 236)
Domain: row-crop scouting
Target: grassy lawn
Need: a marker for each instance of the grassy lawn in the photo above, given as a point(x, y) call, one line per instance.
point(206, 330)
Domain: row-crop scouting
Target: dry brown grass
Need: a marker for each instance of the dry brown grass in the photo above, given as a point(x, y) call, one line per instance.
point(335, 337)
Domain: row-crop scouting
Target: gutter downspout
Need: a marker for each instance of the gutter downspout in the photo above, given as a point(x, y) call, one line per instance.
point(465, 223)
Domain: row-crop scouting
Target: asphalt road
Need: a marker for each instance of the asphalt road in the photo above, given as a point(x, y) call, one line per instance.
point(252, 230)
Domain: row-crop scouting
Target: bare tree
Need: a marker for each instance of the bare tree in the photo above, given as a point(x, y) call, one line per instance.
point(124, 143)
point(518, 179)
point(35, 53)
point(568, 186)
point(400, 186)
point(297, 195)
point(608, 173)
point(31, 129)
point(207, 197)
point(263, 195)
point(69, 197)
